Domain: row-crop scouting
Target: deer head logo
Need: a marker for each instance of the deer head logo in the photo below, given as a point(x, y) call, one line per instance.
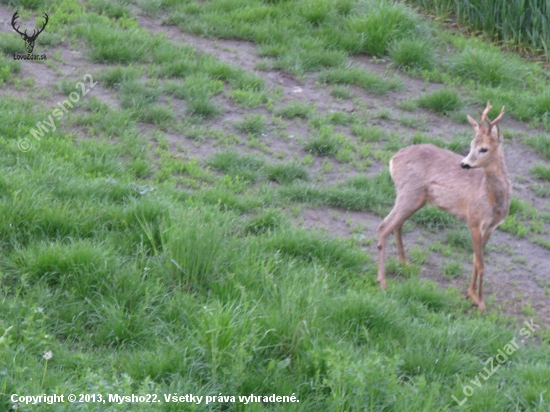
point(28, 39)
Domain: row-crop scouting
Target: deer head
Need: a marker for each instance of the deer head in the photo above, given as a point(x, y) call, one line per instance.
point(486, 141)
point(32, 38)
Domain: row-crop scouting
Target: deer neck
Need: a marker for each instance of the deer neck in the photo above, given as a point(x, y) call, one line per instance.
point(497, 184)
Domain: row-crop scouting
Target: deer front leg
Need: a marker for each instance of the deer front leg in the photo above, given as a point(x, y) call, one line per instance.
point(382, 238)
point(400, 248)
point(478, 266)
point(384, 231)
point(472, 288)
point(485, 238)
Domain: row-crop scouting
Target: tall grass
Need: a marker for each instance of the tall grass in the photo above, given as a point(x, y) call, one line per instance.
point(411, 53)
point(525, 23)
point(194, 247)
point(488, 67)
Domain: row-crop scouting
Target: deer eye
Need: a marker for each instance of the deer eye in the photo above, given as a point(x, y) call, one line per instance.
point(484, 150)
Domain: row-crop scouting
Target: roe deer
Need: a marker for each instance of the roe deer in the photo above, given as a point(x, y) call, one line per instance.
point(425, 174)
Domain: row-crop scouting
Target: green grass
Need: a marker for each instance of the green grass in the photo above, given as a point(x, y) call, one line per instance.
point(412, 53)
point(251, 124)
point(460, 143)
point(158, 114)
point(193, 253)
point(11, 44)
point(420, 138)
point(306, 38)
point(459, 238)
point(408, 105)
point(286, 172)
point(541, 143)
point(197, 89)
point(137, 95)
point(541, 189)
point(295, 109)
point(252, 168)
point(341, 92)
point(111, 9)
point(488, 67)
point(441, 101)
point(318, 37)
point(267, 221)
point(114, 45)
point(195, 86)
point(116, 76)
point(387, 22)
point(452, 270)
point(202, 107)
point(248, 167)
point(323, 145)
point(523, 220)
point(359, 77)
point(541, 171)
point(376, 194)
point(368, 133)
point(434, 218)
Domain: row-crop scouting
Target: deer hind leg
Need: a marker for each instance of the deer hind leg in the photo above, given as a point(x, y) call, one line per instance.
point(402, 210)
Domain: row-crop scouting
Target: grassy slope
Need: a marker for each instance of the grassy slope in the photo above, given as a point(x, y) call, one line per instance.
point(209, 289)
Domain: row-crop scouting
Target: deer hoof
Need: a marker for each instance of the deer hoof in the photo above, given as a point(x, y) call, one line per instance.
point(473, 296)
point(479, 303)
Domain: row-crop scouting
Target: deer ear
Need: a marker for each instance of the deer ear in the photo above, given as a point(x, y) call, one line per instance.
point(473, 123)
point(496, 135)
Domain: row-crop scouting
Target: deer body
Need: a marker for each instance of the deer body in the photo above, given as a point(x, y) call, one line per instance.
point(425, 174)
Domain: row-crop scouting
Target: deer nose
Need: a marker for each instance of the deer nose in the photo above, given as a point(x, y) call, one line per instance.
point(465, 165)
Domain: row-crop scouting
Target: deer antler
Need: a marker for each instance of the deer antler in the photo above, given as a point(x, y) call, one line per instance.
point(37, 32)
point(491, 124)
point(13, 21)
point(485, 113)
